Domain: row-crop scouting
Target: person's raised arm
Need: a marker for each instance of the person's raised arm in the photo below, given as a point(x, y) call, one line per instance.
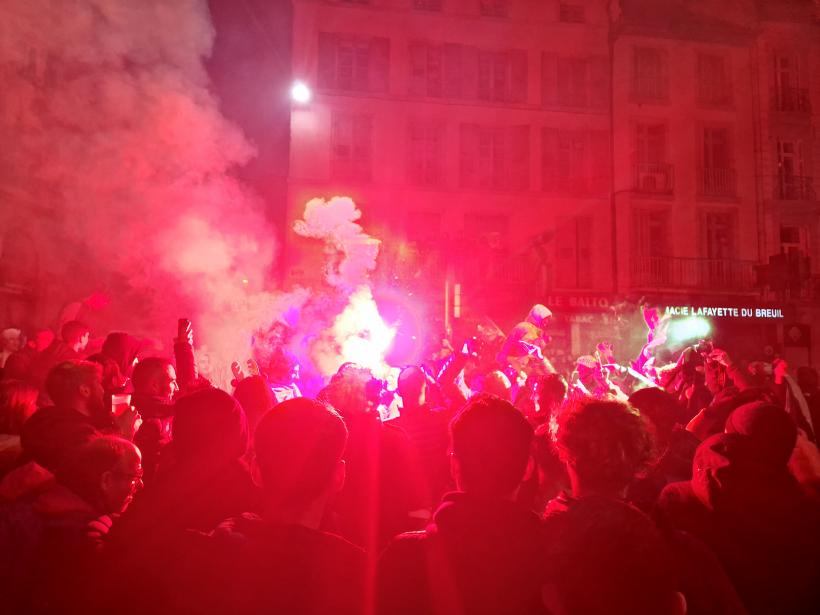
point(184, 354)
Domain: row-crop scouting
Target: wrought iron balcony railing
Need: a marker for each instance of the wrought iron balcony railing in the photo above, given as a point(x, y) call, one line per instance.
point(718, 274)
point(794, 188)
point(654, 178)
point(718, 182)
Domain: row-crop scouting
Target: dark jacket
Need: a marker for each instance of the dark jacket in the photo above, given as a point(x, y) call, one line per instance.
point(381, 488)
point(48, 544)
point(52, 433)
point(757, 521)
point(155, 432)
point(477, 556)
point(248, 565)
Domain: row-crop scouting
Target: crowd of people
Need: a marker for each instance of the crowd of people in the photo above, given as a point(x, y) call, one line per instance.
point(486, 483)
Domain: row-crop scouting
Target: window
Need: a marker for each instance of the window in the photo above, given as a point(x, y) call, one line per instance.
point(574, 82)
point(573, 248)
point(351, 146)
point(435, 70)
point(574, 162)
point(571, 13)
point(789, 94)
point(649, 78)
point(425, 142)
point(649, 248)
point(717, 174)
point(493, 8)
point(427, 5)
point(790, 182)
point(650, 233)
point(353, 63)
point(502, 76)
point(652, 172)
point(720, 231)
point(494, 157)
point(714, 86)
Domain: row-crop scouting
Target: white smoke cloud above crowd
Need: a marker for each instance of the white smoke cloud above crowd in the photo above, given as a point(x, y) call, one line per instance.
point(357, 334)
point(107, 110)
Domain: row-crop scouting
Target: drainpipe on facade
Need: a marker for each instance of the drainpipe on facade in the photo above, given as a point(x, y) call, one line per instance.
point(613, 208)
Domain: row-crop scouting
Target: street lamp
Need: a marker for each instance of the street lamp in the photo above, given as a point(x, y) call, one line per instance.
point(300, 93)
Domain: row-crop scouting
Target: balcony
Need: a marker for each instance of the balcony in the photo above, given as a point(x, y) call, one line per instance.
point(653, 178)
point(794, 188)
point(717, 182)
point(791, 100)
point(708, 274)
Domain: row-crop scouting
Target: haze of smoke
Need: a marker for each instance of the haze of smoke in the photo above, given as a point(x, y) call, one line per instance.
point(107, 109)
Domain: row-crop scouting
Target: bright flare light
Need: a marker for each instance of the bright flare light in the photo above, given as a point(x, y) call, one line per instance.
point(690, 328)
point(300, 93)
point(362, 335)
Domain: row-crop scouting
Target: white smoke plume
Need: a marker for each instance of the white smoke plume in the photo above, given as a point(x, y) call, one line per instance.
point(357, 334)
point(352, 252)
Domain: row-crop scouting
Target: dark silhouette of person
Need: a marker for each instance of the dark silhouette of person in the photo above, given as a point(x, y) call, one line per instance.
point(482, 552)
point(279, 561)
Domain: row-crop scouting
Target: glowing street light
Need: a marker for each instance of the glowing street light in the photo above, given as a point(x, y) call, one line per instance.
point(300, 92)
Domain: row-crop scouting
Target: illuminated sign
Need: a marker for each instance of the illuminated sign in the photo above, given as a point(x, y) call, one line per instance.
point(723, 312)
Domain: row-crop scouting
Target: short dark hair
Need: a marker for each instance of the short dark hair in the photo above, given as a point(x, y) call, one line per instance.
point(82, 470)
point(64, 380)
point(146, 370)
point(604, 556)
point(411, 380)
point(607, 443)
point(18, 401)
point(491, 441)
point(660, 408)
point(73, 331)
point(297, 446)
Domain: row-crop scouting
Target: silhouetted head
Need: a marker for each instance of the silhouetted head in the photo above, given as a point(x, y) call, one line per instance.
point(106, 472)
point(122, 348)
point(490, 443)
point(209, 428)
point(77, 385)
point(18, 401)
point(604, 444)
point(539, 315)
point(660, 410)
point(75, 334)
point(412, 385)
point(156, 377)
point(772, 431)
point(298, 449)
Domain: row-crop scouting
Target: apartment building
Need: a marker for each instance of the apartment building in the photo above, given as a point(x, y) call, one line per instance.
point(786, 76)
point(473, 133)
